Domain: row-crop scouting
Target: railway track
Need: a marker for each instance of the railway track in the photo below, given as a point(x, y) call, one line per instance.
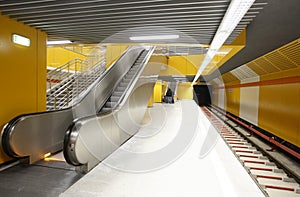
point(269, 176)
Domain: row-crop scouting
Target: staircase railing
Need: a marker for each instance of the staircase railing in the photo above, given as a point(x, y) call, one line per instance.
point(66, 83)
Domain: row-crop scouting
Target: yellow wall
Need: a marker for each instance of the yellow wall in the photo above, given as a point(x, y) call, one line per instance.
point(57, 56)
point(185, 91)
point(182, 65)
point(233, 100)
point(157, 92)
point(23, 72)
point(279, 107)
point(150, 102)
point(161, 60)
point(113, 52)
point(279, 111)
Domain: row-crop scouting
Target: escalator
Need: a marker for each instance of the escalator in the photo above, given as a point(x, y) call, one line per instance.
point(33, 135)
point(91, 139)
point(121, 87)
point(29, 137)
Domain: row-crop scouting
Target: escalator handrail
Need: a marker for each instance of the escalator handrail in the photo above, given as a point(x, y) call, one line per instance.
point(73, 131)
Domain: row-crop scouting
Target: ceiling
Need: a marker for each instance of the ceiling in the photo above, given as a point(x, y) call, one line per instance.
point(276, 25)
point(270, 23)
point(95, 21)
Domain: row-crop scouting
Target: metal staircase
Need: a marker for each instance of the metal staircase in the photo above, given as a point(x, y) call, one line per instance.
point(123, 84)
point(68, 82)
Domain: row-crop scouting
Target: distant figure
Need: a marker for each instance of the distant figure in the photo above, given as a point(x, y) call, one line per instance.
point(168, 98)
point(169, 92)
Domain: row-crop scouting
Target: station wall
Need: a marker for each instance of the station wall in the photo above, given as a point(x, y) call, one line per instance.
point(23, 72)
point(113, 52)
point(58, 56)
point(269, 100)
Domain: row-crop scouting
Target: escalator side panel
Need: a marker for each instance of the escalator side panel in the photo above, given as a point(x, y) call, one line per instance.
point(99, 137)
point(33, 136)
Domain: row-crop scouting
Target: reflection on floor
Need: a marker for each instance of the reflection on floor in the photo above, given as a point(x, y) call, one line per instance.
point(176, 153)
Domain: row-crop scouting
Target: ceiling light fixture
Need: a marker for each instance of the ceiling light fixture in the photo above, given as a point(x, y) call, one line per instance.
point(234, 14)
point(157, 37)
point(59, 42)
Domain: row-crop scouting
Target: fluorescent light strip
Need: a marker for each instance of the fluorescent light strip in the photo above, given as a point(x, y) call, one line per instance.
point(58, 42)
point(157, 37)
point(21, 40)
point(234, 14)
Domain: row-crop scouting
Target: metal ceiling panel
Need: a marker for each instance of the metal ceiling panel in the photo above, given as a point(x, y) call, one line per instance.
point(93, 21)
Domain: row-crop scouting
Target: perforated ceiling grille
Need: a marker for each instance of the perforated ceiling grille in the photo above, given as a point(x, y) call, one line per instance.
point(283, 58)
point(268, 66)
point(280, 61)
point(257, 69)
point(292, 52)
point(229, 77)
point(243, 72)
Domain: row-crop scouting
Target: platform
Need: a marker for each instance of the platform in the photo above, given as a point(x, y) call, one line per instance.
point(179, 158)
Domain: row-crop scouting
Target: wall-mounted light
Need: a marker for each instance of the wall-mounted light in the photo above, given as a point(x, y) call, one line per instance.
point(157, 37)
point(21, 40)
point(59, 42)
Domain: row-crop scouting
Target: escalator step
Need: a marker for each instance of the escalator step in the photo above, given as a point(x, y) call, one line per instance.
point(121, 88)
point(126, 80)
point(117, 93)
point(105, 109)
point(123, 84)
point(115, 98)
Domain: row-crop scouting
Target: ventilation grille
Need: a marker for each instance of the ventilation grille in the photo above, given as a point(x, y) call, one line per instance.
point(284, 58)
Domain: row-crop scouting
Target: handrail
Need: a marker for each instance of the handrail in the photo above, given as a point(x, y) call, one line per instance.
point(74, 70)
